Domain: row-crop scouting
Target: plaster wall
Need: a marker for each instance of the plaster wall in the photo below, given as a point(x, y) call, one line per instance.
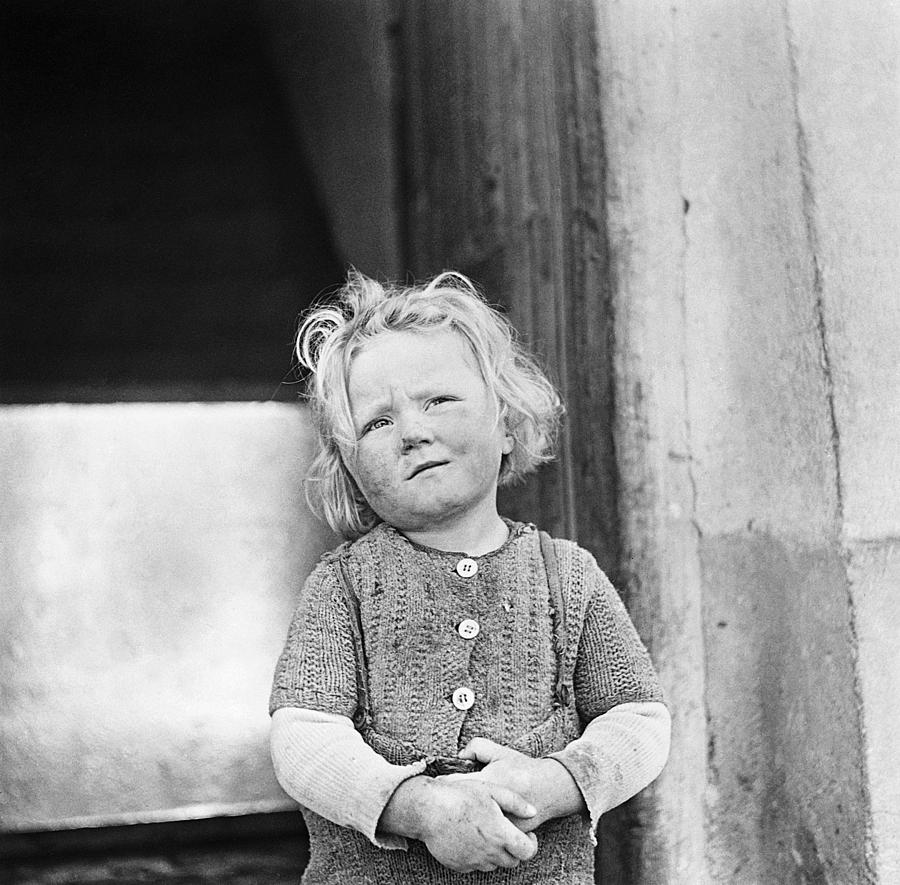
point(752, 194)
point(848, 71)
point(785, 777)
point(151, 555)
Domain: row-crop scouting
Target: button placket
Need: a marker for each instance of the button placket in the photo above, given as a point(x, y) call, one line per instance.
point(463, 697)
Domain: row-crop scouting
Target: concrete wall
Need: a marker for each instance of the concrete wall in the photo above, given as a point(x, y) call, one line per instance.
point(150, 556)
point(752, 202)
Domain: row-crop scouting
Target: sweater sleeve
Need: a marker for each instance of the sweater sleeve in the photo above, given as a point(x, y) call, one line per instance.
point(619, 753)
point(612, 665)
point(317, 667)
point(321, 760)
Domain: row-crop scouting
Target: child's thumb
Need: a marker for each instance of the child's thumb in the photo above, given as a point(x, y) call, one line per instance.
point(482, 749)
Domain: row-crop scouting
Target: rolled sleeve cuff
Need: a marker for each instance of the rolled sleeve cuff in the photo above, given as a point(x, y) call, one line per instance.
point(368, 813)
point(618, 754)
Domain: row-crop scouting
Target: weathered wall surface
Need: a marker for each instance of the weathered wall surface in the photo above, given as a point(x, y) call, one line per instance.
point(504, 182)
point(752, 200)
point(848, 69)
point(150, 556)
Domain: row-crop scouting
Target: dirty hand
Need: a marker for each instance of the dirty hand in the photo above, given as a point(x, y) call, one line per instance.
point(545, 783)
point(467, 828)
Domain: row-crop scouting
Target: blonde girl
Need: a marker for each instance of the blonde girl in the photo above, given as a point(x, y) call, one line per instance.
point(460, 696)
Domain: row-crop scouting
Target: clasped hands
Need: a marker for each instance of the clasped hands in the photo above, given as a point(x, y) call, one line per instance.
point(484, 820)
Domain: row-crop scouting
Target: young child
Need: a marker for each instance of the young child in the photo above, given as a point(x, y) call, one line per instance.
point(459, 693)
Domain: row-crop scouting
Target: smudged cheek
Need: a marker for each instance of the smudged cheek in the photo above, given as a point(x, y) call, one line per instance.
point(376, 476)
point(480, 454)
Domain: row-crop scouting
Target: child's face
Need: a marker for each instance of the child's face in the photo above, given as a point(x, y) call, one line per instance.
point(429, 439)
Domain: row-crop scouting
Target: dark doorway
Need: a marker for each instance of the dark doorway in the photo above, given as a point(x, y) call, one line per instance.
point(161, 230)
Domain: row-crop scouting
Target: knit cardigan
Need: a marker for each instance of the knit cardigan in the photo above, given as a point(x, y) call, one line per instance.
point(375, 638)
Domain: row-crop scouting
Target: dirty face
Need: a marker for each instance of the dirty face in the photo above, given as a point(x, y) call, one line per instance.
point(429, 439)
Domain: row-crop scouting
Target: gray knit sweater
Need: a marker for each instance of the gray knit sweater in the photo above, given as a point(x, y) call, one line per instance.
point(375, 638)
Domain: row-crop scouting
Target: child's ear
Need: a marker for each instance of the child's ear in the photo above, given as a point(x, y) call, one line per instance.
point(509, 442)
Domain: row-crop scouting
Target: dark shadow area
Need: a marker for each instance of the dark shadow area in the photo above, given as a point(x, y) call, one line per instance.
point(261, 849)
point(160, 231)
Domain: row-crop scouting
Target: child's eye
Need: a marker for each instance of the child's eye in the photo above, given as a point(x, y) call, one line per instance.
point(437, 400)
point(375, 425)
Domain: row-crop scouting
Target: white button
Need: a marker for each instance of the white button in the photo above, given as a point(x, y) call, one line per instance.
point(463, 698)
point(468, 628)
point(465, 568)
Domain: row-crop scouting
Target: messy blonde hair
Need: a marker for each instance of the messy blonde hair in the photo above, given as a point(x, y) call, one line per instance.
point(332, 333)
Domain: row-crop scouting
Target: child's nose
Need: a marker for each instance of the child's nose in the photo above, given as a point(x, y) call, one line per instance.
point(415, 432)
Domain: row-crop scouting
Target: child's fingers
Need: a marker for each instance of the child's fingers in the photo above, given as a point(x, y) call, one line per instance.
point(483, 750)
point(510, 861)
point(511, 802)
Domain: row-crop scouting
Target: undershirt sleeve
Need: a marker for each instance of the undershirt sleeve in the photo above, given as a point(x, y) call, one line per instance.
point(321, 760)
point(619, 753)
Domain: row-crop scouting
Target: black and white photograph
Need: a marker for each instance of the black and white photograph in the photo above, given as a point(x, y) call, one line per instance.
point(449, 441)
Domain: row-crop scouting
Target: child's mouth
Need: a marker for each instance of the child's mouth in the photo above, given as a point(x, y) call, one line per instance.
point(421, 468)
